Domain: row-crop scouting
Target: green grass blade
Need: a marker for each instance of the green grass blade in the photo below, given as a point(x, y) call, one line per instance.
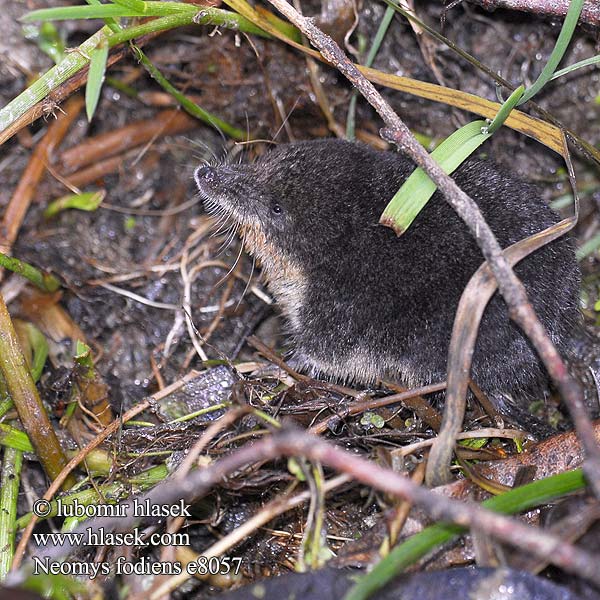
point(11, 437)
point(103, 11)
point(39, 346)
point(188, 105)
point(43, 281)
point(505, 109)
point(512, 502)
point(594, 60)
point(6, 402)
point(377, 41)
point(95, 80)
point(418, 188)
point(380, 35)
point(88, 201)
point(10, 479)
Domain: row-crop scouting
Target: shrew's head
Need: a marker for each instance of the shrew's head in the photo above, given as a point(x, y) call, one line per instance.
point(297, 199)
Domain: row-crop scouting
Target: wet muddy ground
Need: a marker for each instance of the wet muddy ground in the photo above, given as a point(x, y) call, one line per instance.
point(128, 267)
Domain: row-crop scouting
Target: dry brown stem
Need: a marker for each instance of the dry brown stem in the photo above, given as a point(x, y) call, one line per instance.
point(32, 413)
point(510, 287)
point(555, 8)
point(117, 141)
point(23, 194)
point(296, 443)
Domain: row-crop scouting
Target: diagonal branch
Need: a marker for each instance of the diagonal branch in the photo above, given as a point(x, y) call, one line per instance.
point(510, 287)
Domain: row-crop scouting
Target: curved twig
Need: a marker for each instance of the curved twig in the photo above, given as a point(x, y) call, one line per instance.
point(296, 443)
point(474, 299)
point(512, 290)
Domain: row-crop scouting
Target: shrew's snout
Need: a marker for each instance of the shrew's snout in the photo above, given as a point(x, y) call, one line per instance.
point(205, 174)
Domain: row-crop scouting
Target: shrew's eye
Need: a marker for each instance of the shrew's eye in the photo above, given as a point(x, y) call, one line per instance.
point(276, 208)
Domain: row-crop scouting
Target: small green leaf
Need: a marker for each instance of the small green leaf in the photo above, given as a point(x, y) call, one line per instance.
point(473, 443)
point(88, 201)
point(43, 281)
point(39, 347)
point(83, 354)
point(519, 445)
point(418, 188)
point(98, 59)
point(48, 40)
point(371, 419)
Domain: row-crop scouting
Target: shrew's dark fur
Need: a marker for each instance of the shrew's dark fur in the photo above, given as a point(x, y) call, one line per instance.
point(362, 303)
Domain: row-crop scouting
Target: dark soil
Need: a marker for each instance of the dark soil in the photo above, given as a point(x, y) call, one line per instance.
point(256, 84)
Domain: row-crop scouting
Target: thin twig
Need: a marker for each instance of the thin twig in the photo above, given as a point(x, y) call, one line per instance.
point(81, 455)
point(556, 8)
point(356, 408)
point(245, 530)
point(296, 443)
point(510, 287)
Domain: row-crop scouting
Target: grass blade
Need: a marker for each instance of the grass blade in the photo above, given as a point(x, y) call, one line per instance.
point(512, 502)
point(594, 60)
point(96, 76)
point(43, 281)
point(377, 41)
point(138, 5)
point(9, 495)
point(103, 11)
point(416, 191)
point(506, 109)
point(88, 201)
